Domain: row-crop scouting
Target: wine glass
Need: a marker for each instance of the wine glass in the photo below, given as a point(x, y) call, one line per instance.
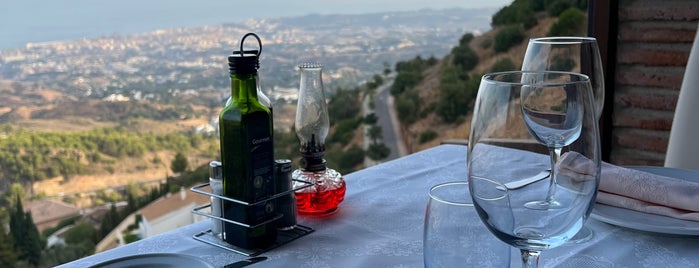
point(502, 149)
point(553, 114)
point(577, 54)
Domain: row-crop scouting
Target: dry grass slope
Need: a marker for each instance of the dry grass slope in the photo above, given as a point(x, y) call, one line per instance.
point(429, 87)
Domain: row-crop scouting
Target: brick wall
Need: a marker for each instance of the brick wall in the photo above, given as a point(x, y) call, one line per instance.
point(653, 43)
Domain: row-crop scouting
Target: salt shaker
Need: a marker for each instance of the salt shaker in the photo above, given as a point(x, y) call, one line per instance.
point(286, 203)
point(216, 184)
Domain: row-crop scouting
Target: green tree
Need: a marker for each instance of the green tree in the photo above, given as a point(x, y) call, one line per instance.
point(371, 119)
point(409, 74)
point(351, 158)
point(466, 39)
point(377, 80)
point(378, 151)
point(508, 37)
point(34, 243)
point(109, 222)
point(519, 12)
point(82, 233)
point(27, 241)
point(375, 133)
point(16, 192)
point(407, 107)
point(570, 23)
point(179, 163)
point(556, 7)
point(465, 57)
point(343, 105)
point(427, 135)
point(405, 80)
point(8, 256)
point(344, 130)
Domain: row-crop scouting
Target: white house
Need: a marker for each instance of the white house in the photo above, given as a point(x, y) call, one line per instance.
point(170, 212)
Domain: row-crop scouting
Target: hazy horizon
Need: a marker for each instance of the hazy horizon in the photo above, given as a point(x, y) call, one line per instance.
point(26, 21)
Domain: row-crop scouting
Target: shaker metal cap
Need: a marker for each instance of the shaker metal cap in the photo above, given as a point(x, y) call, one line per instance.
point(284, 165)
point(215, 170)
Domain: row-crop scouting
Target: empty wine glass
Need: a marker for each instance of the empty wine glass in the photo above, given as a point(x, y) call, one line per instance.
point(576, 54)
point(502, 150)
point(553, 114)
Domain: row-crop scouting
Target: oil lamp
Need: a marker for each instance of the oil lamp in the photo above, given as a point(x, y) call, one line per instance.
point(312, 126)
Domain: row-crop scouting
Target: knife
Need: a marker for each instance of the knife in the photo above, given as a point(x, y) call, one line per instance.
point(246, 262)
point(526, 181)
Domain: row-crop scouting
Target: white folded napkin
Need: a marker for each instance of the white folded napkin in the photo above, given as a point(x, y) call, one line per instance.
point(638, 190)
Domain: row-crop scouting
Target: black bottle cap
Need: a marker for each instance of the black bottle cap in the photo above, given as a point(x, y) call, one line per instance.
point(245, 61)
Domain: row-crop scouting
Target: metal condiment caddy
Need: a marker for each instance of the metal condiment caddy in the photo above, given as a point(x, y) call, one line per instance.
point(284, 236)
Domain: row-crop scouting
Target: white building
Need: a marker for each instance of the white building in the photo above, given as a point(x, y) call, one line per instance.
point(171, 212)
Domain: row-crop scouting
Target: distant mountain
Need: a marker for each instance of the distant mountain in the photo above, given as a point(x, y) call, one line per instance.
point(469, 19)
point(187, 67)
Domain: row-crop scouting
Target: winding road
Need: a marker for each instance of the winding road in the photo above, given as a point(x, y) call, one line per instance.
point(387, 119)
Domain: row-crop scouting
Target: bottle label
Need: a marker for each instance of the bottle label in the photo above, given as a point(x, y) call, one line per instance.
point(247, 154)
point(261, 151)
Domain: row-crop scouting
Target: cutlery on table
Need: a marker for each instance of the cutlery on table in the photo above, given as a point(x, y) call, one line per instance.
point(246, 262)
point(526, 181)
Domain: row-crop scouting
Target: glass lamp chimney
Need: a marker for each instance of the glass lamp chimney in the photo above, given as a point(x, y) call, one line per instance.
point(312, 122)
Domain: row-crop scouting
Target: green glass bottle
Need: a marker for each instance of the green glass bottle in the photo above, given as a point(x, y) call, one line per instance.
point(247, 156)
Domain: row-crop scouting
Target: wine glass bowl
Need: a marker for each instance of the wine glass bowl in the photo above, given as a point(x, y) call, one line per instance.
point(556, 121)
point(568, 54)
point(508, 132)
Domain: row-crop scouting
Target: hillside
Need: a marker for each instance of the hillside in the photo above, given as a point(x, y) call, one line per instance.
point(428, 88)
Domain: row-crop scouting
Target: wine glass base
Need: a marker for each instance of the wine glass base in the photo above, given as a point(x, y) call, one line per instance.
point(543, 205)
point(585, 234)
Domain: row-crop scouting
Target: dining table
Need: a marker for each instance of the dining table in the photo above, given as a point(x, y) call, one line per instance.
point(380, 224)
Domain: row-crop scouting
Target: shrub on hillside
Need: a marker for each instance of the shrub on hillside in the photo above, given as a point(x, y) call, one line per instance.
point(465, 57)
point(378, 151)
point(407, 107)
point(556, 7)
point(504, 64)
point(570, 23)
point(508, 37)
point(344, 130)
point(343, 105)
point(404, 81)
point(427, 135)
point(348, 160)
point(530, 22)
point(519, 12)
point(454, 101)
point(465, 39)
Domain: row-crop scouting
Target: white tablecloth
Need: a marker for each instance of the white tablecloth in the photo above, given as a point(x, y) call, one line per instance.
point(380, 225)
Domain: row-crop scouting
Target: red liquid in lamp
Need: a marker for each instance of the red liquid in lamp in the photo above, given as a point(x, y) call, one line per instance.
point(320, 202)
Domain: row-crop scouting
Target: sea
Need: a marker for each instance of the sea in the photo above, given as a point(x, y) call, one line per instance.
point(35, 21)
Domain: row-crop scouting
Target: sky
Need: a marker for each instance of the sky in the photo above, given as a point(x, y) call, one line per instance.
point(23, 21)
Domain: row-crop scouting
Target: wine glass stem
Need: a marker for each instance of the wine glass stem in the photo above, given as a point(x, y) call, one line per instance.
point(530, 258)
point(555, 155)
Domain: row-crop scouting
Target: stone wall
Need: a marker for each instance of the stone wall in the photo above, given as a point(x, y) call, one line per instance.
point(654, 39)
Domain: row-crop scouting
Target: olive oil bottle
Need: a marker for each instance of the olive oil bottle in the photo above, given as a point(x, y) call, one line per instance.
point(247, 156)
